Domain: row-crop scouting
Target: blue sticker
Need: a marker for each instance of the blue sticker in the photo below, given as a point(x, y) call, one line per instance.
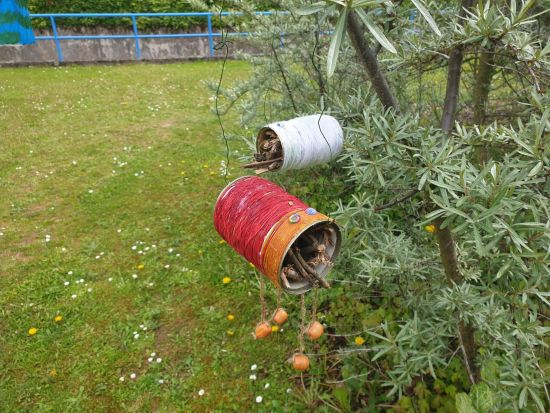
point(311, 211)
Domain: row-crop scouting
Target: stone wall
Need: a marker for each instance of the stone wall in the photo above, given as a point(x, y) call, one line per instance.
point(108, 50)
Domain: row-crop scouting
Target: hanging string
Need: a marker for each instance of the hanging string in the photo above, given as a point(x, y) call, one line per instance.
point(278, 292)
point(302, 330)
point(314, 305)
point(223, 44)
point(262, 299)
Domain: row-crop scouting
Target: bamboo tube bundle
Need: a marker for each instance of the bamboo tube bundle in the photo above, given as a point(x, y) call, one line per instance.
point(297, 143)
point(289, 242)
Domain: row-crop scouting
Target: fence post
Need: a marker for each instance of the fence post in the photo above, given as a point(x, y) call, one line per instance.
point(136, 38)
point(210, 35)
point(56, 39)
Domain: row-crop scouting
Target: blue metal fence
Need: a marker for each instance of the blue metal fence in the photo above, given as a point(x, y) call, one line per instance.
point(210, 34)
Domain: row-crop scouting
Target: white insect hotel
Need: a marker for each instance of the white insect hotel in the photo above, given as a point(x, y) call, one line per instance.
point(297, 143)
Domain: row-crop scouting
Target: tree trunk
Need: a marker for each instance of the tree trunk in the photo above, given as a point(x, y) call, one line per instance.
point(453, 79)
point(483, 77)
point(453, 87)
point(447, 246)
point(369, 60)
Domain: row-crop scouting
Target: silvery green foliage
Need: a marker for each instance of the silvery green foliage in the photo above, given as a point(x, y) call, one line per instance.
point(499, 210)
point(501, 219)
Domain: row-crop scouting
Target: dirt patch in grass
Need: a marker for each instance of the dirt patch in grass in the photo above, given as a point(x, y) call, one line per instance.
point(176, 318)
point(15, 256)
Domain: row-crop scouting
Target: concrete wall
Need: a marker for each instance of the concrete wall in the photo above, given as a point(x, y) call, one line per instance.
point(108, 50)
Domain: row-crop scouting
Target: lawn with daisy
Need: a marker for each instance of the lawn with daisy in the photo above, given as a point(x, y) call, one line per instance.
point(116, 293)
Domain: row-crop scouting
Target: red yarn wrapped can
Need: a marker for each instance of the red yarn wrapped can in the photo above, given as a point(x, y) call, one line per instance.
point(261, 222)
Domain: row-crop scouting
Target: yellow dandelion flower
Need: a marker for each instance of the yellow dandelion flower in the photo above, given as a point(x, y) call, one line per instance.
point(430, 228)
point(33, 331)
point(182, 173)
point(226, 280)
point(359, 341)
point(140, 266)
point(274, 329)
point(230, 317)
point(212, 173)
point(52, 373)
point(205, 165)
point(58, 318)
point(222, 241)
point(251, 265)
point(230, 332)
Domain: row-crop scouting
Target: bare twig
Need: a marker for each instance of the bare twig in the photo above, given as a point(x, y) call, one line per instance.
point(311, 271)
point(409, 194)
point(261, 163)
point(465, 354)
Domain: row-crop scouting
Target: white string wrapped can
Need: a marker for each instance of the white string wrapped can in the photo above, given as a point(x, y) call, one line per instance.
point(305, 141)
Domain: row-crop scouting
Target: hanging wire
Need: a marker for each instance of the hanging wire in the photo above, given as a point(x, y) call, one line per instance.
point(322, 91)
point(223, 44)
point(267, 90)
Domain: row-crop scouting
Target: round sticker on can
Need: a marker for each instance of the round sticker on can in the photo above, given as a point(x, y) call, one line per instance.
point(294, 218)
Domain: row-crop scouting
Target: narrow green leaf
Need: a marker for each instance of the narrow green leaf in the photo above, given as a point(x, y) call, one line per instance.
point(522, 402)
point(375, 31)
point(424, 11)
point(366, 3)
point(463, 403)
point(482, 398)
point(336, 42)
point(523, 12)
point(381, 353)
point(311, 9)
point(537, 400)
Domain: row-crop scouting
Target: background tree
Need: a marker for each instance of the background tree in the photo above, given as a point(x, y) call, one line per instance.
point(442, 191)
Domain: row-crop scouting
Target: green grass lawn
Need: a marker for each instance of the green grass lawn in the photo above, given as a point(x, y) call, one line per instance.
point(108, 178)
